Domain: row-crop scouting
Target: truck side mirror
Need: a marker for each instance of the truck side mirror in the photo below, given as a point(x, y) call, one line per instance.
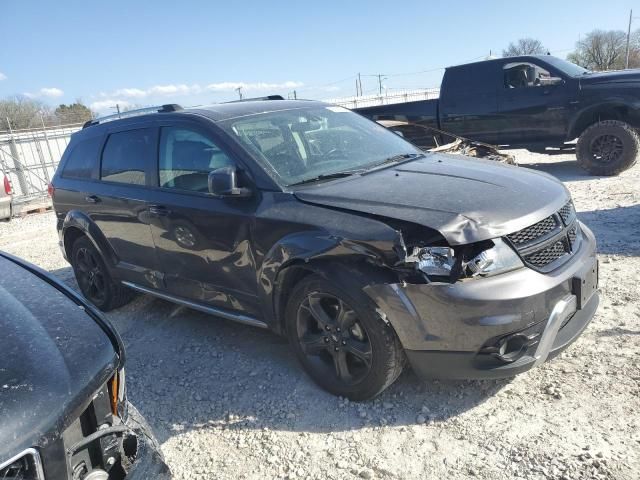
point(549, 81)
point(223, 182)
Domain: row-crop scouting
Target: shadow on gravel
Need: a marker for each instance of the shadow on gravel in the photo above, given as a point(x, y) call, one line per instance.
point(564, 170)
point(616, 229)
point(188, 371)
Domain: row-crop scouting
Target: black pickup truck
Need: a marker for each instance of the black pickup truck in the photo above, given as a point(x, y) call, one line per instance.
point(535, 102)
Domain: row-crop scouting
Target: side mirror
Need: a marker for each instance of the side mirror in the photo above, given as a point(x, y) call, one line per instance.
point(549, 81)
point(223, 182)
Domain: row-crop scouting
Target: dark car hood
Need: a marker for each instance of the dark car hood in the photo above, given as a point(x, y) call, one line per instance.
point(618, 76)
point(465, 199)
point(54, 357)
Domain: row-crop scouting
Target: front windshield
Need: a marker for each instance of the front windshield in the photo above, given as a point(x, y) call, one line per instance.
point(567, 67)
point(303, 144)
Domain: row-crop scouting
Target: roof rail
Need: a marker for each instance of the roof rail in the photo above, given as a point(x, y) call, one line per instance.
point(170, 107)
point(258, 99)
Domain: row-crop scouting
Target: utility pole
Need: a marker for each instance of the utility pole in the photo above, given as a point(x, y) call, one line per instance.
point(629, 37)
point(117, 107)
point(295, 95)
point(239, 90)
point(359, 84)
point(380, 78)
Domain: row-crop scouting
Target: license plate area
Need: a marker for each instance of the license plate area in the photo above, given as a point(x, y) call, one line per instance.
point(585, 283)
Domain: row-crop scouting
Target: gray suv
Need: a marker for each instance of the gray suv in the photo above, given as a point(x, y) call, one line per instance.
point(312, 221)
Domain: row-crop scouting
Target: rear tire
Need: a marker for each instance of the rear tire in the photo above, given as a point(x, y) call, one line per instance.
point(94, 279)
point(340, 339)
point(608, 148)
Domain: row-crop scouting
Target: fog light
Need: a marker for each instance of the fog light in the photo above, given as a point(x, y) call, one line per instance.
point(512, 348)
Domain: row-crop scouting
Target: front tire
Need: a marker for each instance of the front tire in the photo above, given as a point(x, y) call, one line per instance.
point(94, 279)
point(608, 148)
point(340, 339)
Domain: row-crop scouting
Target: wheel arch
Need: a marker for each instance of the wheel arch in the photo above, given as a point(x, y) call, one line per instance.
point(304, 254)
point(610, 110)
point(77, 224)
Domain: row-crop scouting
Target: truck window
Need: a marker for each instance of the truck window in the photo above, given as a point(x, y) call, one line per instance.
point(524, 75)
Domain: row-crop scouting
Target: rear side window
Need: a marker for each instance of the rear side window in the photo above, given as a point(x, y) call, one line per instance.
point(82, 159)
point(127, 156)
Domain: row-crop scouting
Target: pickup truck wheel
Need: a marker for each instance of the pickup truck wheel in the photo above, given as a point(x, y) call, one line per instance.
point(94, 279)
point(340, 340)
point(608, 148)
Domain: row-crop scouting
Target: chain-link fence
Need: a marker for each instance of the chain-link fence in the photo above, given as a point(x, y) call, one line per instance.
point(29, 157)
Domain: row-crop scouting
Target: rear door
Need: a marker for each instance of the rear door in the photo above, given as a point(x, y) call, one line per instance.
point(468, 101)
point(118, 203)
point(202, 242)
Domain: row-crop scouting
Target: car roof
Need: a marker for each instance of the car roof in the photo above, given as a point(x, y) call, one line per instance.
point(225, 111)
point(216, 113)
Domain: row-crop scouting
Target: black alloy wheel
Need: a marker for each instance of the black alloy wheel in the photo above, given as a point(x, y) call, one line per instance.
point(333, 338)
point(336, 332)
point(607, 148)
point(90, 275)
point(94, 279)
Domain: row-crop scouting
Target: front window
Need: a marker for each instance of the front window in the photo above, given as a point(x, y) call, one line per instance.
point(302, 144)
point(524, 75)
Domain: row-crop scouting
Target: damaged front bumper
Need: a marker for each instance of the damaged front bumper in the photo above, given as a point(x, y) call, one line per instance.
point(492, 327)
point(149, 461)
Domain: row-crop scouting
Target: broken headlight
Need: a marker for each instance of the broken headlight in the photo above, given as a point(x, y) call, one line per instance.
point(433, 261)
point(498, 259)
point(485, 259)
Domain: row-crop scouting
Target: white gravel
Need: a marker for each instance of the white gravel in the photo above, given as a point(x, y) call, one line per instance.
point(228, 401)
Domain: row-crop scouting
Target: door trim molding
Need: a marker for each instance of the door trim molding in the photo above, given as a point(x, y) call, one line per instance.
point(235, 317)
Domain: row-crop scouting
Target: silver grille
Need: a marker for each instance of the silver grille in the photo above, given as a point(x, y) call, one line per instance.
point(24, 466)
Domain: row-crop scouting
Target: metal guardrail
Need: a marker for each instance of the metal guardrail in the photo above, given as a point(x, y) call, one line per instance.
point(401, 96)
point(29, 157)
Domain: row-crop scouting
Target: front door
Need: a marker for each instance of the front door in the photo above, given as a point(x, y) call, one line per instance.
point(533, 109)
point(202, 242)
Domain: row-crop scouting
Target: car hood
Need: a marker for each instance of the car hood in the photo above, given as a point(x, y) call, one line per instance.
point(619, 76)
point(465, 199)
point(54, 358)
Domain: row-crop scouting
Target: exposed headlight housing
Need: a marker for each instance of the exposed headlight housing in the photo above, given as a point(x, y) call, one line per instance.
point(485, 259)
point(434, 261)
point(499, 259)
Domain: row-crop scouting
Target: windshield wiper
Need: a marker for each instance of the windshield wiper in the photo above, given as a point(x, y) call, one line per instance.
point(328, 176)
point(396, 159)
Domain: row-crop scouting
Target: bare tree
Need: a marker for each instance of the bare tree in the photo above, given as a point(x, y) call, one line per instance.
point(606, 50)
point(524, 46)
point(22, 112)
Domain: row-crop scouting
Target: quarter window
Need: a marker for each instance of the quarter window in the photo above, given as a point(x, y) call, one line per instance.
point(186, 158)
point(82, 159)
point(127, 156)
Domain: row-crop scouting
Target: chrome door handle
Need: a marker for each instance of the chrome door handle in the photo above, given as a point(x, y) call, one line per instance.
point(91, 199)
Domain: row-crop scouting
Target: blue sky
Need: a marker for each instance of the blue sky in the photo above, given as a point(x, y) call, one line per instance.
point(197, 52)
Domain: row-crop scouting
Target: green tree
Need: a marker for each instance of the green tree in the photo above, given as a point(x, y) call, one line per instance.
point(73, 113)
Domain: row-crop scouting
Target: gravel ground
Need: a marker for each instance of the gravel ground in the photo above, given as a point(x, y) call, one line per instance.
point(228, 401)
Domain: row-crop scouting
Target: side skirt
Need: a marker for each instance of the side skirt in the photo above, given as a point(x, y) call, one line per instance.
point(235, 317)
